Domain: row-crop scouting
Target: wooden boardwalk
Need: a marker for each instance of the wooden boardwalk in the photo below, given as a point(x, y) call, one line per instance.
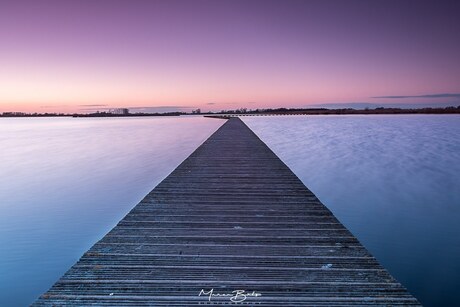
point(231, 217)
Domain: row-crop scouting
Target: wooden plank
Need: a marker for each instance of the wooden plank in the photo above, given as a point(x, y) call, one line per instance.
point(231, 217)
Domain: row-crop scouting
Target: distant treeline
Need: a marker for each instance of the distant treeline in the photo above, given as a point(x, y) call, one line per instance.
point(21, 114)
point(325, 111)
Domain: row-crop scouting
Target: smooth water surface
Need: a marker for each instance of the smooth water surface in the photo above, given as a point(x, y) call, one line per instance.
point(393, 180)
point(65, 182)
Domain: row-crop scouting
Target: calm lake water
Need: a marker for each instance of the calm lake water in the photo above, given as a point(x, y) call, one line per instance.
point(65, 182)
point(392, 180)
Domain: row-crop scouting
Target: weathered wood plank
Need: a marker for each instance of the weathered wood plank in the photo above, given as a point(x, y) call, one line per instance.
point(231, 216)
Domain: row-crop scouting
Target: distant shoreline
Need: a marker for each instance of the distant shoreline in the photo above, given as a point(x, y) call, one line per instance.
point(90, 115)
point(257, 112)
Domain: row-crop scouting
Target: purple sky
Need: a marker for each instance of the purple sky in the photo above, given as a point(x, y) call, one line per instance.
point(83, 55)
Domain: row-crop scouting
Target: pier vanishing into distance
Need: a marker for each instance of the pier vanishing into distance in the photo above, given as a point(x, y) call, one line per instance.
point(231, 217)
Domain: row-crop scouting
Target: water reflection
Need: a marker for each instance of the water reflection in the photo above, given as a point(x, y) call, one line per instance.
point(66, 182)
point(394, 181)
